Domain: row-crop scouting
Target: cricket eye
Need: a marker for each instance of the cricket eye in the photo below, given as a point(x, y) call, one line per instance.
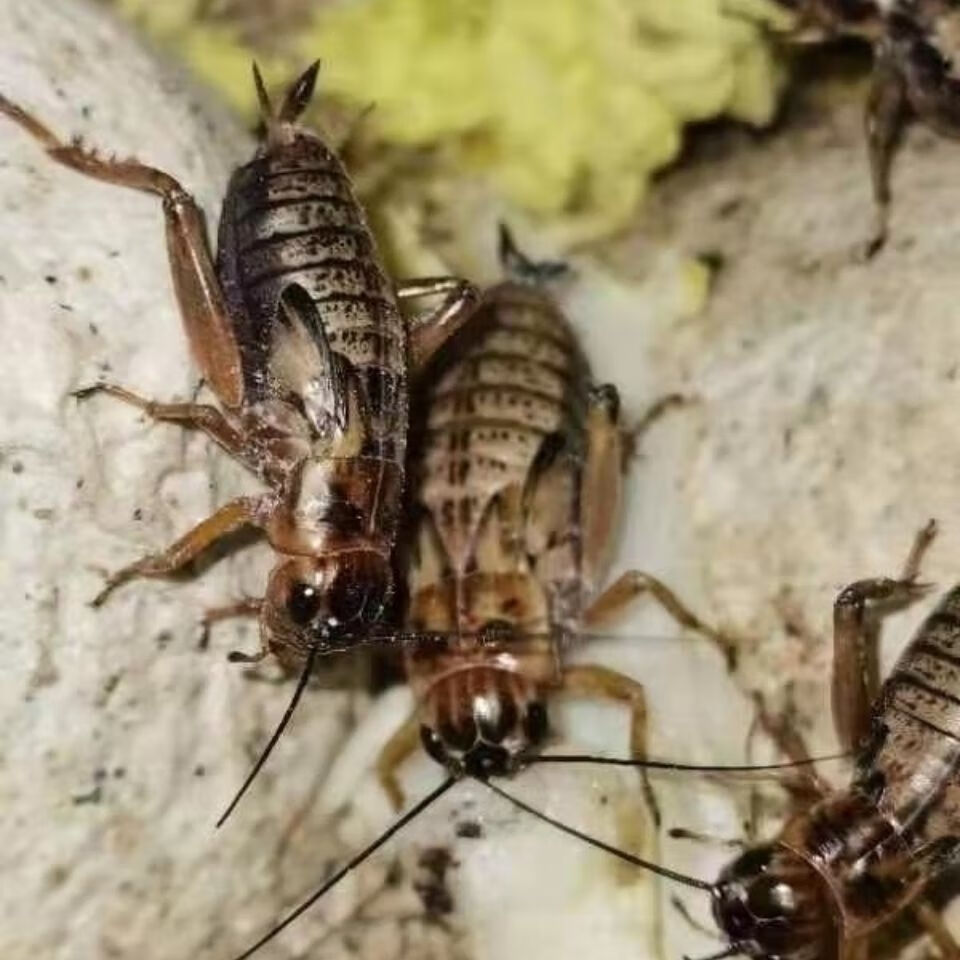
point(303, 603)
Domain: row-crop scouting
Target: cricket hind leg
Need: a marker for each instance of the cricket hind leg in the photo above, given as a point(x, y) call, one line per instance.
point(600, 499)
point(202, 306)
point(231, 517)
point(857, 614)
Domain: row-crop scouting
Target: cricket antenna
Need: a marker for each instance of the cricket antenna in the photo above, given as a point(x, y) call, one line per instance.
point(600, 845)
point(689, 767)
point(277, 733)
point(355, 861)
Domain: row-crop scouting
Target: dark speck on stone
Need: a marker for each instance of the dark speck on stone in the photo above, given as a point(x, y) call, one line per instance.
point(50, 278)
point(94, 796)
point(469, 830)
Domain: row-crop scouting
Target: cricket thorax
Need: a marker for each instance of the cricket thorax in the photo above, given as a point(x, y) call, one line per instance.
point(336, 505)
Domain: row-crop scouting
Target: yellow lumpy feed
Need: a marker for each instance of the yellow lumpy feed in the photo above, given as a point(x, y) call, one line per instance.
point(567, 107)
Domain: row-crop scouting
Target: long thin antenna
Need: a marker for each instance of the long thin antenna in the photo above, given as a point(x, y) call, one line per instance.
point(599, 844)
point(690, 767)
point(354, 861)
point(277, 733)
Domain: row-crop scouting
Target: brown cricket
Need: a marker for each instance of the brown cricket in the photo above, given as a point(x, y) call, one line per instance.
point(916, 44)
point(296, 328)
point(517, 483)
point(849, 861)
point(517, 471)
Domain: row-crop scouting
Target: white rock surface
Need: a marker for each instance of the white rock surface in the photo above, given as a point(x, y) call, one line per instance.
point(821, 440)
point(119, 739)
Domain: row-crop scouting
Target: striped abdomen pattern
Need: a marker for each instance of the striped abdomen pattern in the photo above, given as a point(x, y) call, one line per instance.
point(290, 217)
point(919, 714)
point(519, 383)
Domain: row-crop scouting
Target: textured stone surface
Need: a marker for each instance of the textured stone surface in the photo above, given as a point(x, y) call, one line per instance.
point(121, 739)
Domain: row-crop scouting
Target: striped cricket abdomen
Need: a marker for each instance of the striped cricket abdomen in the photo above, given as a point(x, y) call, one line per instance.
point(290, 217)
point(517, 390)
point(918, 720)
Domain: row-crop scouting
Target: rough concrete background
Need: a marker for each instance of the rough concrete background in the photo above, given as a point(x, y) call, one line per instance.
point(121, 736)
point(819, 442)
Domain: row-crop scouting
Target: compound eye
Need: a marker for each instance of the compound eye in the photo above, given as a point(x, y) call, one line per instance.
point(347, 598)
point(359, 590)
point(303, 603)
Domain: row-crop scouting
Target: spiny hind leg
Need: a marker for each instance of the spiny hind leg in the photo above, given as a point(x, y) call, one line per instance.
point(601, 484)
point(394, 753)
point(884, 120)
point(232, 516)
point(857, 613)
point(631, 585)
point(193, 416)
point(198, 291)
point(600, 683)
point(430, 331)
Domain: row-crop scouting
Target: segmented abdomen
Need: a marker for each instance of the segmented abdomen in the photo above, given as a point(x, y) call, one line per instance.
point(290, 217)
point(518, 383)
point(920, 709)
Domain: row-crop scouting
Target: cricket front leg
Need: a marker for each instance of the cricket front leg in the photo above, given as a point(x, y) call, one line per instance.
point(430, 331)
point(399, 748)
point(631, 585)
point(193, 416)
point(195, 281)
point(233, 516)
point(247, 607)
point(601, 683)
